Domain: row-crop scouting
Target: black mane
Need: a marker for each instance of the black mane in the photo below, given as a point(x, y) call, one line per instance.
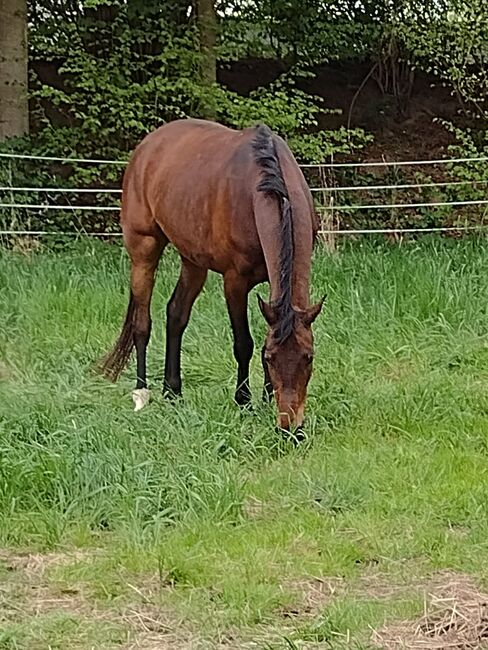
point(273, 184)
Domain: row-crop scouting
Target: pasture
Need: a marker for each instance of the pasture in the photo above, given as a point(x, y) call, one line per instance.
point(194, 525)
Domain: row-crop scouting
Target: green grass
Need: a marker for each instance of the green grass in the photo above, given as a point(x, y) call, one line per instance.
point(204, 512)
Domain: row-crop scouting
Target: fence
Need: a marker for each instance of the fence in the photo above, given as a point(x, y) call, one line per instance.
point(328, 194)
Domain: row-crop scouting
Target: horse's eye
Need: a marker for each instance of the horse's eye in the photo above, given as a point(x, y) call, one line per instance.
point(267, 357)
point(309, 358)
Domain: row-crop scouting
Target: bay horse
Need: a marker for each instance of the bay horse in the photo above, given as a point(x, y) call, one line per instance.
point(234, 202)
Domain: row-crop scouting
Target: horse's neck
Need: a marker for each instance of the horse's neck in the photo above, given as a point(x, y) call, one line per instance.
point(269, 229)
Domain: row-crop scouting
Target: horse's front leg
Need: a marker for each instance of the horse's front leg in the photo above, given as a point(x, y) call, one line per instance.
point(236, 290)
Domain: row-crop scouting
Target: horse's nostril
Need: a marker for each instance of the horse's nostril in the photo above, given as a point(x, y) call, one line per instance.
point(291, 418)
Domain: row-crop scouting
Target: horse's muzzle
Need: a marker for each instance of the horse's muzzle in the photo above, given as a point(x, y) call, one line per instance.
point(291, 417)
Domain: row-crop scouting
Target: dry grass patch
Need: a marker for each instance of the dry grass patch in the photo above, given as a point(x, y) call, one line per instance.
point(455, 618)
point(311, 596)
point(28, 597)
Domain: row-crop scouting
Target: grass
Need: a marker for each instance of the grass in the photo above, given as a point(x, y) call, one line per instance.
point(202, 515)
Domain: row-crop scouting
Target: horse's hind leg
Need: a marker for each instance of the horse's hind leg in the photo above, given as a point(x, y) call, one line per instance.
point(190, 283)
point(145, 252)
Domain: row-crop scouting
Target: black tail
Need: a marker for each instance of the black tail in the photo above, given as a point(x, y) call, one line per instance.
point(273, 183)
point(113, 364)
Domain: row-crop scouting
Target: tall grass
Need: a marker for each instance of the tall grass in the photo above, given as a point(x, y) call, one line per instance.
point(394, 466)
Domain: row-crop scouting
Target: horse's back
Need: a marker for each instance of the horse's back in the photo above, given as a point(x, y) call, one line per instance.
point(196, 181)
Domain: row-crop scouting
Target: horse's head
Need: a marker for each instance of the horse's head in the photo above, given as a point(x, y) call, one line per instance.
point(288, 362)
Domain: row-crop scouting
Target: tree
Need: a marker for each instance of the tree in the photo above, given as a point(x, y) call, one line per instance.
point(207, 30)
point(14, 110)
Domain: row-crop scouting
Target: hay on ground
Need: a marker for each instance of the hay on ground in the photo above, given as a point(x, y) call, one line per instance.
point(455, 618)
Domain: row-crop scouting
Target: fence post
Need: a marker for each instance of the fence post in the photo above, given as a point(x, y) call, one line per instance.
point(327, 219)
point(13, 216)
point(396, 236)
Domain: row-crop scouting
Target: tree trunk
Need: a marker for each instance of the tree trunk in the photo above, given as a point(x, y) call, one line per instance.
point(14, 107)
point(207, 29)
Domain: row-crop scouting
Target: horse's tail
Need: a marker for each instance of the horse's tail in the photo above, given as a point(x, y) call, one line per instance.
point(273, 184)
point(113, 364)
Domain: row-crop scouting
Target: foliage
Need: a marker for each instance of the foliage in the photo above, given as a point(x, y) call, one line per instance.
point(324, 145)
point(453, 45)
point(450, 183)
point(470, 143)
point(293, 114)
point(304, 31)
point(281, 105)
point(106, 72)
point(118, 80)
point(119, 83)
point(121, 71)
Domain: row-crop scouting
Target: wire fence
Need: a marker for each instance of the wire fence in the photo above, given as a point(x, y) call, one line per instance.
point(67, 159)
point(378, 163)
point(393, 163)
point(47, 206)
point(405, 186)
point(328, 193)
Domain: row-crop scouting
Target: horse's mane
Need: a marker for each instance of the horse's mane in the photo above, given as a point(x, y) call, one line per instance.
point(273, 183)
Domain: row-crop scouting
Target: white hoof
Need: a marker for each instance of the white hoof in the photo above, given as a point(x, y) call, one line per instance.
point(140, 397)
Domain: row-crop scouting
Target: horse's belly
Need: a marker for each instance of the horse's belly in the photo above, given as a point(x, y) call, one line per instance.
point(221, 257)
point(215, 239)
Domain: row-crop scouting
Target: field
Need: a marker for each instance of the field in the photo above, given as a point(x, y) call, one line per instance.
point(194, 525)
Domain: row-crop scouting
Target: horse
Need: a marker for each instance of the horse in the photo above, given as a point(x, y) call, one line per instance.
point(234, 202)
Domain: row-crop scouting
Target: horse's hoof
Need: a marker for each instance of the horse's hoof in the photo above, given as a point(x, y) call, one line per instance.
point(245, 407)
point(140, 397)
point(243, 398)
point(171, 395)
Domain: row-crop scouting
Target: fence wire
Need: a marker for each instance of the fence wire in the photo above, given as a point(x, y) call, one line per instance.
point(324, 190)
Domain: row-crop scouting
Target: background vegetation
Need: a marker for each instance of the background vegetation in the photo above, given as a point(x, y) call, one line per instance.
point(339, 79)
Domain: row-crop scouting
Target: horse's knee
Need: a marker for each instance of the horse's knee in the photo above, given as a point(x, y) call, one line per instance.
point(142, 329)
point(175, 319)
point(243, 349)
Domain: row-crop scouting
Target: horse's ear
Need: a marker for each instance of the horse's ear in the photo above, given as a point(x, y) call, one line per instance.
point(312, 312)
point(267, 311)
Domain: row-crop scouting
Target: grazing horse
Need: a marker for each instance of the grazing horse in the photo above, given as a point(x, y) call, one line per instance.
point(234, 202)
